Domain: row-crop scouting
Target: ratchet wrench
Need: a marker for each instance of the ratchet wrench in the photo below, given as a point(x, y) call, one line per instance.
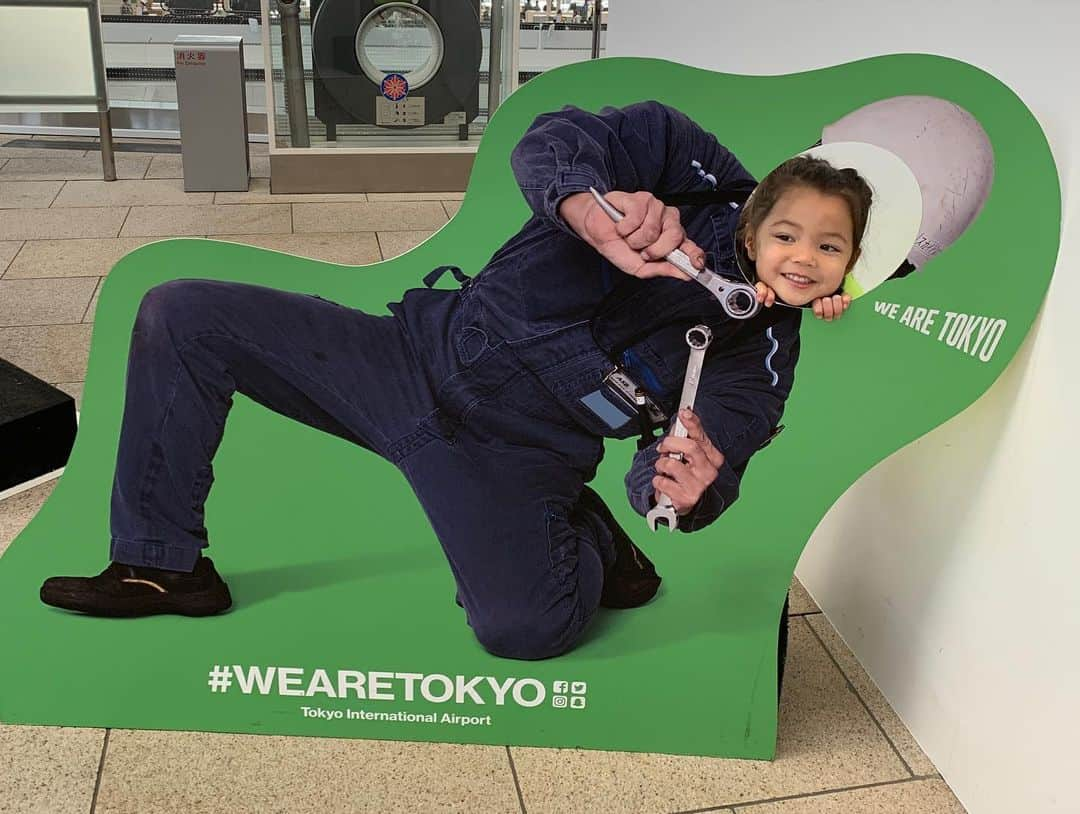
point(698, 338)
point(739, 300)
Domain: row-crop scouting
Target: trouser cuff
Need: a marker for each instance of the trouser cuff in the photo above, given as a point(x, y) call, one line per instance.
point(154, 555)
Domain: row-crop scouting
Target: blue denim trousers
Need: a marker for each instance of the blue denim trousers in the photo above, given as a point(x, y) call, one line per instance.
point(496, 458)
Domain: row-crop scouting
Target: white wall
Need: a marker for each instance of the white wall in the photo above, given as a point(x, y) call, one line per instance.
point(951, 568)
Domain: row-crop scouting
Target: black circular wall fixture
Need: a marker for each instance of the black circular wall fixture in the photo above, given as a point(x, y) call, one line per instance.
point(346, 80)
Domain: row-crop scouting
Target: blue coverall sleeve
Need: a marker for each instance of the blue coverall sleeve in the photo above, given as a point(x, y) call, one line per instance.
point(645, 146)
point(740, 404)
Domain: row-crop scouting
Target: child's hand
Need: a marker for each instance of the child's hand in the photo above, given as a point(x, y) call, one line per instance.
point(685, 481)
point(830, 308)
point(765, 295)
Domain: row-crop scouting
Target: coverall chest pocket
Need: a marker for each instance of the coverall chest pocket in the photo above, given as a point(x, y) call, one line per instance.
point(471, 341)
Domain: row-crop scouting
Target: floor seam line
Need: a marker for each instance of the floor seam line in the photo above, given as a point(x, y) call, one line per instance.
point(123, 223)
point(100, 771)
point(783, 798)
point(52, 324)
point(91, 302)
point(862, 701)
point(517, 783)
point(57, 195)
point(11, 262)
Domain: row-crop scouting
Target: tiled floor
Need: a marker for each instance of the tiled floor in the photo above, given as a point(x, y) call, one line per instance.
point(841, 747)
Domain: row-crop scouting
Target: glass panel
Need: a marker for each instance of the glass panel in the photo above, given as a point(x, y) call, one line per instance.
point(138, 40)
point(139, 54)
point(396, 74)
point(50, 56)
point(386, 74)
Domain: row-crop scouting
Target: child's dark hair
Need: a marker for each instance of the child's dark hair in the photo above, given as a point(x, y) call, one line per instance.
point(817, 174)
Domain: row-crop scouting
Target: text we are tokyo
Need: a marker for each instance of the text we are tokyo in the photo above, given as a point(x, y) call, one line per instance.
point(974, 334)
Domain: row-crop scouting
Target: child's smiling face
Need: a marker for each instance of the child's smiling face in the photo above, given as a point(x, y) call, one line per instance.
point(804, 246)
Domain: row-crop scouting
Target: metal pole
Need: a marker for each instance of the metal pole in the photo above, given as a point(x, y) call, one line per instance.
point(108, 161)
point(292, 56)
point(495, 57)
point(596, 29)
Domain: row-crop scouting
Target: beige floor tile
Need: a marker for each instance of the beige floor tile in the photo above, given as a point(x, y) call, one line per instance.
point(395, 243)
point(208, 220)
point(259, 192)
point(168, 165)
point(367, 217)
point(383, 197)
point(69, 168)
point(8, 250)
point(913, 797)
point(129, 193)
point(93, 257)
point(171, 165)
point(39, 152)
point(15, 512)
point(801, 601)
point(74, 389)
point(826, 741)
point(48, 769)
point(51, 301)
point(53, 224)
point(28, 194)
point(451, 207)
point(880, 708)
point(53, 353)
point(259, 166)
point(356, 249)
point(183, 771)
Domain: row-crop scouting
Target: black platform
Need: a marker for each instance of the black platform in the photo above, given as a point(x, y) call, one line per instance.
point(37, 426)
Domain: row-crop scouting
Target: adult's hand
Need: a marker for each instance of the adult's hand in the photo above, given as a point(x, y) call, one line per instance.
point(637, 244)
point(685, 481)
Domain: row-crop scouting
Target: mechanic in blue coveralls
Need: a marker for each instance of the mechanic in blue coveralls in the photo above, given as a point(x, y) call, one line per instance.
point(481, 395)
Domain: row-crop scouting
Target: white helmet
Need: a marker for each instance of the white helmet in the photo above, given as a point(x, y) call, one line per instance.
point(946, 149)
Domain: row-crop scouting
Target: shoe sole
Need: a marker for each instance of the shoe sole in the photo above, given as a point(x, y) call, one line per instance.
point(191, 604)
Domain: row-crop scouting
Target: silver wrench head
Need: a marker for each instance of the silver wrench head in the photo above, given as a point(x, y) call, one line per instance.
point(659, 513)
point(699, 337)
point(741, 301)
point(738, 300)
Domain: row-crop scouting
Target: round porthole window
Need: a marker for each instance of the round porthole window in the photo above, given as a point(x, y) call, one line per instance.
point(400, 38)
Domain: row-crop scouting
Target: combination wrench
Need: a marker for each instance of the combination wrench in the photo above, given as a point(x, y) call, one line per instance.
point(698, 338)
point(739, 300)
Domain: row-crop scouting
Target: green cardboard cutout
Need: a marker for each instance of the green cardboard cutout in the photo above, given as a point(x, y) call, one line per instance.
point(334, 568)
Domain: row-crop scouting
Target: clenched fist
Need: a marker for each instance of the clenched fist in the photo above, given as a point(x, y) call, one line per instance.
point(637, 244)
point(685, 481)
